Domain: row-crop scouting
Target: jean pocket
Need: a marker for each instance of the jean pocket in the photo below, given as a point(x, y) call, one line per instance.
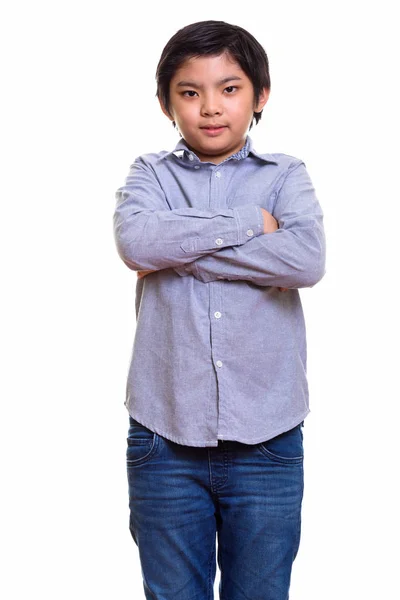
point(286, 447)
point(142, 443)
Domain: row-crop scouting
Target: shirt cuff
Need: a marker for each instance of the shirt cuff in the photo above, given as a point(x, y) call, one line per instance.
point(250, 222)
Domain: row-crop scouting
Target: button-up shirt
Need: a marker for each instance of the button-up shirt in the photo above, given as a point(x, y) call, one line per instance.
point(219, 352)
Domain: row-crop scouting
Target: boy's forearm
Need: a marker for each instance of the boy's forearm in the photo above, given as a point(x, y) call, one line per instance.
point(270, 225)
point(278, 260)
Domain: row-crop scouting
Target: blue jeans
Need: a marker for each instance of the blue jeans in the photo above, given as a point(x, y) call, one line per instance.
point(183, 498)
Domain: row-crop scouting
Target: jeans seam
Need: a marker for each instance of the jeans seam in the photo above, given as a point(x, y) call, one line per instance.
point(210, 583)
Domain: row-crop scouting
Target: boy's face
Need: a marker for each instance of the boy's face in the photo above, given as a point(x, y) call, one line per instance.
point(212, 104)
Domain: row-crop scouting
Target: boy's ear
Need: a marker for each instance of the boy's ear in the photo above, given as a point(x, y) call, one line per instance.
point(166, 113)
point(262, 101)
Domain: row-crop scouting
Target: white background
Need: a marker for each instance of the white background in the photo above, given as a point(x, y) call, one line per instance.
point(78, 105)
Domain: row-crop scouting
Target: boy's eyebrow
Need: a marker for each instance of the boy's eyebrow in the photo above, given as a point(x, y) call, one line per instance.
point(199, 86)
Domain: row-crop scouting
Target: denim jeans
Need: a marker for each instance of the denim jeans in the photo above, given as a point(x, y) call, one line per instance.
point(183, 499)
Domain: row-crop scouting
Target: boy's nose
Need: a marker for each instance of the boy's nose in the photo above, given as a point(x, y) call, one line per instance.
point(210, 107)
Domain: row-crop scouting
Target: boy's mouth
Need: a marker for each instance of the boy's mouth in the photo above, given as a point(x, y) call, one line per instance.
point(213, 129)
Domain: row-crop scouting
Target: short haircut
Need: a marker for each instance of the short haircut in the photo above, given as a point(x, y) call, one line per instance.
point(213, 38)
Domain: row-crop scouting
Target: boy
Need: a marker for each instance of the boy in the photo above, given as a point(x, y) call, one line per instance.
point(221, 238)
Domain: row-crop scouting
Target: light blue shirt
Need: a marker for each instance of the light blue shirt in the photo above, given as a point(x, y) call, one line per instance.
point(219, 352)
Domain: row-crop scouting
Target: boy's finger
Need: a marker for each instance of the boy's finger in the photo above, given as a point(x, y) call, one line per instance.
point(144, 273)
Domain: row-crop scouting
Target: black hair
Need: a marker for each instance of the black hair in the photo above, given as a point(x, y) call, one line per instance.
point(213, 38)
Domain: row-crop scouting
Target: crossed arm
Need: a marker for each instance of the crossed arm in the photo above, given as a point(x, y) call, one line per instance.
point(270, 224)
point(287, 249)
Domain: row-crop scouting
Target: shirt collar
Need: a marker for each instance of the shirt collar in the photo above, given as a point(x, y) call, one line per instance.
point(181, 148)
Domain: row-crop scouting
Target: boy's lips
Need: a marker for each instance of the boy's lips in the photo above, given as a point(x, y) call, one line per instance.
point(213, 129)
point(214, 126)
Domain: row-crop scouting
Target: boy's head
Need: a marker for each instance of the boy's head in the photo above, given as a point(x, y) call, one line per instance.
point(212, 73)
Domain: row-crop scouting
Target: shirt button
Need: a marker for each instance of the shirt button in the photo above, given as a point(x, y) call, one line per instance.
point(197, 167)
point(217, 174)
point(250, 232)
point(217, 314)
point(219, 363)
point(218, 241)
point(220, 276)
point(191, 157)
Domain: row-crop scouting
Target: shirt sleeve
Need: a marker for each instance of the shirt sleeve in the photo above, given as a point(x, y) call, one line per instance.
point(150, 235)
point(291, 257)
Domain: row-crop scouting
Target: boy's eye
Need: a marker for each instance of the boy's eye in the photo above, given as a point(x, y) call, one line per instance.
point(191, 93)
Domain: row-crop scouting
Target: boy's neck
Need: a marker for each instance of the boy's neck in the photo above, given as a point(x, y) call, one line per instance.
point(241, 149)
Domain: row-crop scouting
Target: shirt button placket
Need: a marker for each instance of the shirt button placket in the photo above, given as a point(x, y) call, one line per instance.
point(218, 339)
point(218, 350)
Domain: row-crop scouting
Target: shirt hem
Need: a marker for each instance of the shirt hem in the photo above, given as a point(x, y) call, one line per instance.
point(173, 438)
point(208, 443)
point(276, 432)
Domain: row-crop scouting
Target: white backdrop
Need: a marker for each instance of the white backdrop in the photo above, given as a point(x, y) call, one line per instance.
point(78, 105)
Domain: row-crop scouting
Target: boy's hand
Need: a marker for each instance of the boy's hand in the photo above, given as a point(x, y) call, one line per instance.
point(270, 223)
point(141, 274)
